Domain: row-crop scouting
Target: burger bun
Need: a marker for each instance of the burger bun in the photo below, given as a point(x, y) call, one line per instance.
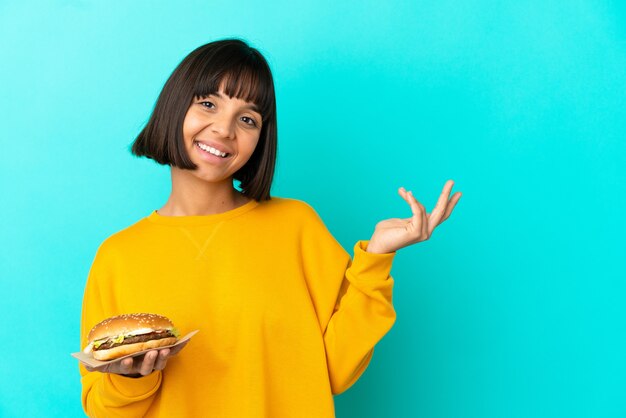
point(127, 323)
point(126, 349)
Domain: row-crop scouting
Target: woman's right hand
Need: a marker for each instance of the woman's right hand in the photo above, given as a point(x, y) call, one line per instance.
point(141, 365)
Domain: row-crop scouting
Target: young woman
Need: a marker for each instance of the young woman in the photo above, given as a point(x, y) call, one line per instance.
point(286, 318)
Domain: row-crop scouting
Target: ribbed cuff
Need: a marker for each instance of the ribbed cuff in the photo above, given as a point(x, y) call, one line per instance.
point(371, 266)
point(141, 387)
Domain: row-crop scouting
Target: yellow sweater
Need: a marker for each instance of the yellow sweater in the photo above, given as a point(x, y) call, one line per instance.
point(286, 317)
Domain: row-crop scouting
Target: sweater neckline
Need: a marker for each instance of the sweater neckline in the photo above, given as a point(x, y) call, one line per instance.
point(194, 220)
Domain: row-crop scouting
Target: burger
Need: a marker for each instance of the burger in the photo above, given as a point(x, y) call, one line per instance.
point(126, 334)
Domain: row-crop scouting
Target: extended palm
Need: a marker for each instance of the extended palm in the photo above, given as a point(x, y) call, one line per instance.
point(392, 234)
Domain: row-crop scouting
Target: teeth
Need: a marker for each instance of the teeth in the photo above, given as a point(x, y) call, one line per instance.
point(211, 150)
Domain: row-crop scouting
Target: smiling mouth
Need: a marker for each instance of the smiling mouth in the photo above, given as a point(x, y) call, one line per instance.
point(210, 150)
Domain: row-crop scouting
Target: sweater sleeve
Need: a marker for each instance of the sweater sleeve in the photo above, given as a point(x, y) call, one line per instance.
point(352, 299)
point(107, 394)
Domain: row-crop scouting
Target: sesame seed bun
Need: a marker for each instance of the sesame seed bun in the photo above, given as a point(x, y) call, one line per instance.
point(146, 325)
point(124, 324)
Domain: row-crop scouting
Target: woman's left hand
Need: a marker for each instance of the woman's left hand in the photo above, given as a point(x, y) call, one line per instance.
point(392, 234)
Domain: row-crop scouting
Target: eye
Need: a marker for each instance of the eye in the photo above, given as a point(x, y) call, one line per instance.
point(206, 104)
point(249, 121)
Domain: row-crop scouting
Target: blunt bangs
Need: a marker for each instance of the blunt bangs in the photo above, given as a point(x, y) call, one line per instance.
point(245, 78)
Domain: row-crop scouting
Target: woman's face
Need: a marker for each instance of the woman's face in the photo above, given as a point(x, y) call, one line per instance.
point(217, 124)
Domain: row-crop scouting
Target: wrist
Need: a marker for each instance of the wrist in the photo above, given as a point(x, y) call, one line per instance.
point(374, 248)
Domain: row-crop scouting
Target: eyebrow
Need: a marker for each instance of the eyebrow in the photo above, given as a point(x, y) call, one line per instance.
point(250, 106)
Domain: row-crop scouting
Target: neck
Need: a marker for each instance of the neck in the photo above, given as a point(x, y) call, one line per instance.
point(192, 196)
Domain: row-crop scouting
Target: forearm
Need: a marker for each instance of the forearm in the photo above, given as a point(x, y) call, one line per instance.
point(364, 315)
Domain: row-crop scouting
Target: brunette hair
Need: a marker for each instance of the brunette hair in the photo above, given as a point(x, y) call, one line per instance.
point(246, 75)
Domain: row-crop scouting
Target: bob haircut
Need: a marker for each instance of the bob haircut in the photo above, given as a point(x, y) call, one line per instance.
point(243, 73)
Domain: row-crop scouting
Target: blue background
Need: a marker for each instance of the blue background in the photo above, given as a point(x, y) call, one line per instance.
point(514, 307)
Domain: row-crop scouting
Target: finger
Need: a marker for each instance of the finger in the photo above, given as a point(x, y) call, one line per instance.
point(453, 201)
point(411, 199)
point(423, 217)
point(438, 213)
point(416, 208)
point(415, 204)
point(126, 366)
point(162, 359)
point(147, 366)
point(403, 193)
point(88, 368)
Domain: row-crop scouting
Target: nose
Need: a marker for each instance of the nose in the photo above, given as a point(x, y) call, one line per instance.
point(223, 126)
